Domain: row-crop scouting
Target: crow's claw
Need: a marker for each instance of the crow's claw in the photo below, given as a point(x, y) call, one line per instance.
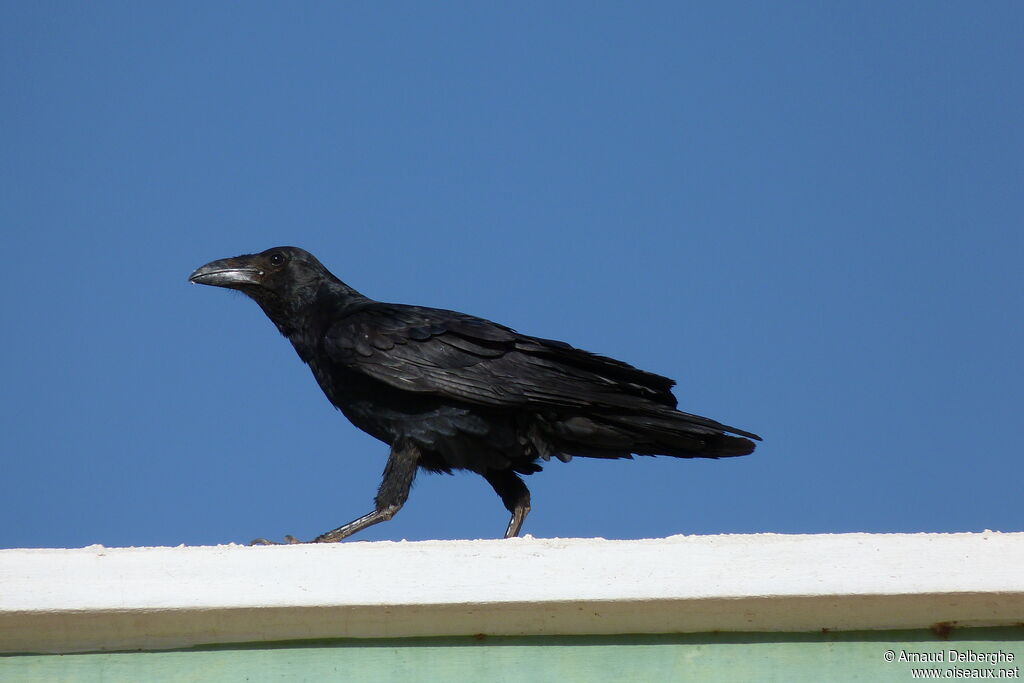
point(288, 540)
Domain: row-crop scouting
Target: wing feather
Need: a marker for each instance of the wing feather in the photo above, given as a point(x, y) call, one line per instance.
point(473, 360)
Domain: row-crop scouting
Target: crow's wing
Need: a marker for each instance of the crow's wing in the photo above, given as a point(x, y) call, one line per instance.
point(472, 360)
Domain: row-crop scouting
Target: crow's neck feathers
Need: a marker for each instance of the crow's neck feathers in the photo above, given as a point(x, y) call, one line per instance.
point(310, 307)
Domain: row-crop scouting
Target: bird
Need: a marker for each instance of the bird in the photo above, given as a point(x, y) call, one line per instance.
point(450, 391)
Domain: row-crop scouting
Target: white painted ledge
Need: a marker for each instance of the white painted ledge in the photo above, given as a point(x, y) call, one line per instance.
point(98, 598)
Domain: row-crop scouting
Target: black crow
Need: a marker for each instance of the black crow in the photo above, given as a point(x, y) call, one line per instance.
point(449, 391)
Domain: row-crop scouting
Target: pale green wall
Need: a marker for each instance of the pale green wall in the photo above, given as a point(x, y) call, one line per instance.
point(813, 657)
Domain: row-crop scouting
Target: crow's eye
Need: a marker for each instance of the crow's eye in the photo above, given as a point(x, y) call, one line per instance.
point(277, 259)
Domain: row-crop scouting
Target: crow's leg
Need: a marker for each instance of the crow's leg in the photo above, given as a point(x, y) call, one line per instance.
point(514, 495)
point(392, 494)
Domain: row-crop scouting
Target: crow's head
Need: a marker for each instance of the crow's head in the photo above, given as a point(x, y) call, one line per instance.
point(282, 280)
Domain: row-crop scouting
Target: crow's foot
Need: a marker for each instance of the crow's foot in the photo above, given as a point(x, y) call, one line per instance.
point(288, 540)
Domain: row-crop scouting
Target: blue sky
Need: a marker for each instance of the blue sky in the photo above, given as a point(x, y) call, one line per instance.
point(808, 214)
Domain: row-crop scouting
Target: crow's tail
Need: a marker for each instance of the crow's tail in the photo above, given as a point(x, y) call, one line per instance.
point(659, 431)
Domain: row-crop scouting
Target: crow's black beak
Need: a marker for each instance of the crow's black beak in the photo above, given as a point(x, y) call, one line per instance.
point(228, 272)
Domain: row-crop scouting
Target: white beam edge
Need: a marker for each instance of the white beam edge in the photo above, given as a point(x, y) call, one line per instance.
point(103, 599)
